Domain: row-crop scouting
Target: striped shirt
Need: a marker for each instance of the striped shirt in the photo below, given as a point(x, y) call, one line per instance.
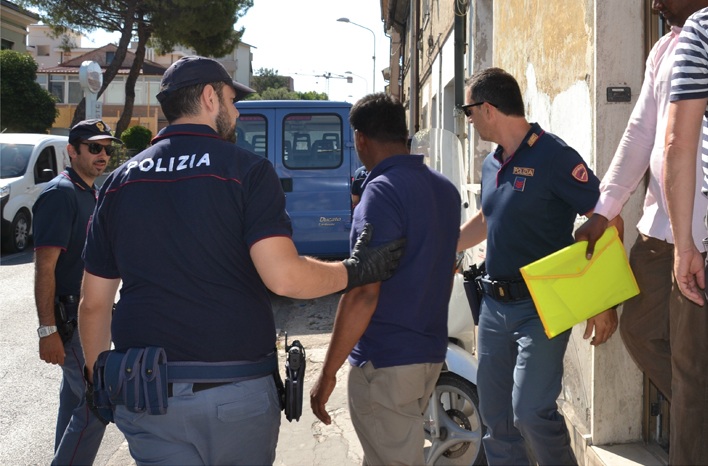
point(690, 74)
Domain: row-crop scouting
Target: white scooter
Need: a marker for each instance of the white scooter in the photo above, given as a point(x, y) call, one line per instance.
point(453, 426)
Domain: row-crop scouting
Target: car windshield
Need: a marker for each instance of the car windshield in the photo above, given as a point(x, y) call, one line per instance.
point(13, 159)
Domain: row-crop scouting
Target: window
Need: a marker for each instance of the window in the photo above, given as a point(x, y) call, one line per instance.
point(312, 141)
point(42, 80)
point(56, 88)
point(13, 159)
point(42, 50)
point(109, 57)
point(115, 93)
point(75, 91)
point(7, 44)
point(46, 166)
point(251, 134)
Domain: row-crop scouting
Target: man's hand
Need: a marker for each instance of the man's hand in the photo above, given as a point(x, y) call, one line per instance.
point(51, 349)
point(367, 265)
point(591, 231)
point(604, 324)
point(319, 395)
point(690, 274)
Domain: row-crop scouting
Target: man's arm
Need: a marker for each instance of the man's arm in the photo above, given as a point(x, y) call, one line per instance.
point(353, 316)
point(95, 316)
point(51, 348)
point(286, 273)
point(472, 232)
point(682, 135)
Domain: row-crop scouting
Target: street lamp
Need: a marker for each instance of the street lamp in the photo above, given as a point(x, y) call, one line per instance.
point(361, 77)
point(373, 82)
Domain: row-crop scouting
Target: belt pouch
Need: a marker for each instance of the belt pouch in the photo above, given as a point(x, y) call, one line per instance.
point(137, 378)
point(154, 380)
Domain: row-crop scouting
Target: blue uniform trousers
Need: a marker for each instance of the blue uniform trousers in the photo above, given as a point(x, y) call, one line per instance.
point(519, 380)
point(234, 424)
point(78, 432)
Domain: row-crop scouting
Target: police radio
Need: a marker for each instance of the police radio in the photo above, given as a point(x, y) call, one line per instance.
point(294, 379)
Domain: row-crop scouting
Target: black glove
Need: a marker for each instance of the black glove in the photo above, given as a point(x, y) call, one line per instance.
point(372, 265)
point(100, 414)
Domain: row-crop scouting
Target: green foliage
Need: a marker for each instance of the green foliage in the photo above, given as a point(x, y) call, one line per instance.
point(283, 94)
point(26, 107)
point(312, 95)
point(207, 26)
point(136, 137)
point(270, 86)
point(267, 78)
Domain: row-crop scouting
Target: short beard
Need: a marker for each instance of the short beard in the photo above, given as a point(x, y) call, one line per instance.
point(225, 127)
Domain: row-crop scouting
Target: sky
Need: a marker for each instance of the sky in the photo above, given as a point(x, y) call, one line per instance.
point(304, 40)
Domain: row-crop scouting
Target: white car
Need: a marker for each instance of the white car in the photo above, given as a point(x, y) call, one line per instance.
point(27, 163)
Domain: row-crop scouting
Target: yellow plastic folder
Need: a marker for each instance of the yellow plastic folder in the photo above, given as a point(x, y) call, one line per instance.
point(568, 289)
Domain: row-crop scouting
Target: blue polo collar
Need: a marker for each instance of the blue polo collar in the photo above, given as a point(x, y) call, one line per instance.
point(186, 130)
point(403, 159)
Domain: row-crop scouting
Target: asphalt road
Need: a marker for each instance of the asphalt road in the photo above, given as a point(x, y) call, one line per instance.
point(29, 389)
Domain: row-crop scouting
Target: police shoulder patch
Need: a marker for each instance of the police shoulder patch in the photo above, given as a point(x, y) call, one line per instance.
point(580, 173)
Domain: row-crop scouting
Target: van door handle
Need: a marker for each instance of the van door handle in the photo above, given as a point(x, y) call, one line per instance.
point(287, 184)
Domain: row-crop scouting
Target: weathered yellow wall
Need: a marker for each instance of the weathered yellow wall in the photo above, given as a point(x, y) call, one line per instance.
point(555, 36)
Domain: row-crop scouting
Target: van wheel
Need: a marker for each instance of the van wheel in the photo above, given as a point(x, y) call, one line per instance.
point(19, 232)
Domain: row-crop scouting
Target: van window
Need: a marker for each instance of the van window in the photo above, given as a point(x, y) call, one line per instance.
point(312, 141)
point(46, 167)
point(252, 135)
point(13, 159)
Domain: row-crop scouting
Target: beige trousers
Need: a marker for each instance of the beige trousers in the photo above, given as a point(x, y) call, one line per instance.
point(387, 406)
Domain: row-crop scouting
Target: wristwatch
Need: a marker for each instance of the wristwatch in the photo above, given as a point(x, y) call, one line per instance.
point(46, 330)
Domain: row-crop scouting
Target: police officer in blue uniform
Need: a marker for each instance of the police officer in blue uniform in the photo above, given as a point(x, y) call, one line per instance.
point(196, 229)
point(61, 216)
point(533, 186)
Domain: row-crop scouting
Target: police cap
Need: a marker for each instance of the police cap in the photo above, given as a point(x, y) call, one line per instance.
point(190, 71)
point(91, 130)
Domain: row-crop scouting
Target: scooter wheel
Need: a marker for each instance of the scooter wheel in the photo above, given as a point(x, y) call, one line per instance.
point(460, 403)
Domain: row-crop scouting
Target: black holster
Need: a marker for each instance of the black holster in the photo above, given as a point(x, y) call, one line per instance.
point(473, 288)
point(294, 380)
point(65, 326)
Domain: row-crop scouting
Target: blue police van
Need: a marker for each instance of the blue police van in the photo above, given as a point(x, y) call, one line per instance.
point(311, 145)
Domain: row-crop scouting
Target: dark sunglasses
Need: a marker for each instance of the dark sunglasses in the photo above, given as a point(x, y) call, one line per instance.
point(467, 109)
point(96, 148)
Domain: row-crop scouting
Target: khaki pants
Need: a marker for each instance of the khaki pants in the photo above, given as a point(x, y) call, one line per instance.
point(387, 406)
point(667, 335)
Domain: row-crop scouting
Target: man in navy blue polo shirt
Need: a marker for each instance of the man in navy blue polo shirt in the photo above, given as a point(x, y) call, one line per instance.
point(394, 333)
point(61, 216)
point(196, 229)
point(533, 187)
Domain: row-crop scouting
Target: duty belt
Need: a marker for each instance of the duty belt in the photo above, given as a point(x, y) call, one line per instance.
point(216, 374)
point(505, 290)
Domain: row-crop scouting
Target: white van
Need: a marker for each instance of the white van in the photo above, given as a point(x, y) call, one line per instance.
point(27, 162)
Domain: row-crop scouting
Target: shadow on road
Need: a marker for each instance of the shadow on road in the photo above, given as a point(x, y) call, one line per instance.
point(301, 317)
point(17, 258)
